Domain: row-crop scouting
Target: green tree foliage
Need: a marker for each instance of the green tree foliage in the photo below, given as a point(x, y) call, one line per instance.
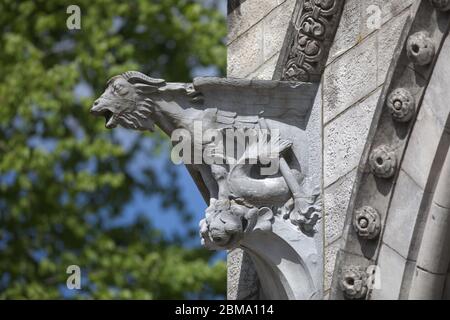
point(64, 177)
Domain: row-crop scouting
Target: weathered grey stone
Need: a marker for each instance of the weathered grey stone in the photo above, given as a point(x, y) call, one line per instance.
point(423, 145)
point(345, 138)
point(403, 213)
point(273, 215)
point(308, 40)
point(389, 276)
point(390, 10)
point(242, 279)
point(354, 282)
point(383, 161)
point(275, 25)
point(401, 104)
point(330, 259)
point(427, 285)
point(266, 70)
point(248, 47)
point(350, 78)
point(442, 5)
point(348, 32)
point(315, 150)
point(447, 288)
point(247, 15)
point(336, 198)
point(388, 37)
point(437, 95)
point(346, 261)
point(436, 246)
point(367, 222)
point(420, 48)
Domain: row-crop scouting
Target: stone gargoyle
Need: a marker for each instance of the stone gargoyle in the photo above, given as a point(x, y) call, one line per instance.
point(247, 194)
point(240, 200)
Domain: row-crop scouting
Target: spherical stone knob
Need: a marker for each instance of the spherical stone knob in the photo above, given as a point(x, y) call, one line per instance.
point(383, 162)
point(420, 48)
point(401, 104)
point(442, 5)
point(354, 283)
point(367, 222)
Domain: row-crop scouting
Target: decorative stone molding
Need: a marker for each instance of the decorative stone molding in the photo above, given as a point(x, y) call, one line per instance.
point(308, 40)
point(383, 162)
point(367, 222)
point(443, 5)
point(420, 48)
point(388, 140)
point(401, 104)
point(259, 193)
point(354, 282)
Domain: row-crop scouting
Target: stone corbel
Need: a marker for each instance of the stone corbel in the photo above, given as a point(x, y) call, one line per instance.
point(260, 193)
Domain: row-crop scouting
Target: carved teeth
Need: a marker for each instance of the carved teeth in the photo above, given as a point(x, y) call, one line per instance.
point(401, 105)
point(110, 119)
point(420, 48)
point(383, 162)
point(367, 222)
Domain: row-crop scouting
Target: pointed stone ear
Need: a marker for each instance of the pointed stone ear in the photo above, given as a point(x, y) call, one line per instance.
point(145, 88)
point(135, 77)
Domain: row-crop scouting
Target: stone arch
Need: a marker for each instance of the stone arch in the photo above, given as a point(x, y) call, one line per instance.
point(404, 176)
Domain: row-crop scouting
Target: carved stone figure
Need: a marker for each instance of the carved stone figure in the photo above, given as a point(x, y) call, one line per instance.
point(249, 186)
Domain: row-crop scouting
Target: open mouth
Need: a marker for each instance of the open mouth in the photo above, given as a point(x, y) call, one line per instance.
point(110, 121)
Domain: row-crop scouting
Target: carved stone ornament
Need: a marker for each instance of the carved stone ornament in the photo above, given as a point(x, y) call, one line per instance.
point(442, 5)
point(367, 222)
point(401, 104)
point(354, 282)
point(314, 25)
point(420, 48)
point(259, 193)
point(383, 162)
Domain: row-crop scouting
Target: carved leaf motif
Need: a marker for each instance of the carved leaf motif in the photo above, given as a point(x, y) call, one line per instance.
point(312, 24)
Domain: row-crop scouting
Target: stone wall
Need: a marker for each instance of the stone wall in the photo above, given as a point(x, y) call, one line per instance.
point(356, 70)
point(355, 73)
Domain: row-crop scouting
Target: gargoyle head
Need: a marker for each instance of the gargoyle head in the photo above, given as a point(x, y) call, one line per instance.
point(227, 222)
point(224, 224)
point(126, 101)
